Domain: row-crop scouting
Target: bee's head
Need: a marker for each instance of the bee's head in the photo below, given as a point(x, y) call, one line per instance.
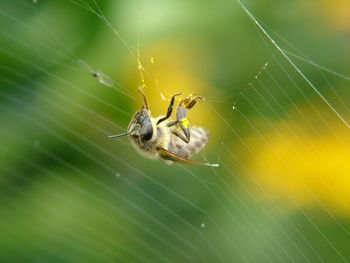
point(141, 125)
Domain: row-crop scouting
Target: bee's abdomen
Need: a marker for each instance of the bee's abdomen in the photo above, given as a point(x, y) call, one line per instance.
point(199, 138)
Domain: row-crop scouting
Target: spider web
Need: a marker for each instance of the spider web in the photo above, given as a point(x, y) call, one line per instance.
point(279, 124)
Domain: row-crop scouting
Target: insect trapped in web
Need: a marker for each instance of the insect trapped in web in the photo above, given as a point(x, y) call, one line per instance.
point(173, 141)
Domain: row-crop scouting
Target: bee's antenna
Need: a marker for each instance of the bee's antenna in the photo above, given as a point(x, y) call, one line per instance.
point(119, 135)
point(122, 134)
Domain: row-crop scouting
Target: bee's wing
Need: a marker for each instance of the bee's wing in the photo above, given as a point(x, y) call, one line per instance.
point(167, 155)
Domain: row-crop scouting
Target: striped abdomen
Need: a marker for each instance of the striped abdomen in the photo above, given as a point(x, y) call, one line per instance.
point(198, 140)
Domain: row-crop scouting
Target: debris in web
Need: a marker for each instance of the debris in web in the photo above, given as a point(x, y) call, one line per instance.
point(101, 78)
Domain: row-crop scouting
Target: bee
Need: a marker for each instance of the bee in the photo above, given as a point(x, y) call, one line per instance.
point(169, 141)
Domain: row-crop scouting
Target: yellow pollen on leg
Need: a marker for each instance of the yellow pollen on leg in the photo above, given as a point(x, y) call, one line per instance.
point(185, 122)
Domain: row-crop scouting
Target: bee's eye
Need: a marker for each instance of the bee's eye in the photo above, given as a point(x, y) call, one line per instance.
point(146, 132)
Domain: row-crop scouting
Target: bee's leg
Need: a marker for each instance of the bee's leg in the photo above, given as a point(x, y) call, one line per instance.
point(181, 118)
point(170, 108)
point(183, 123)
point(172, 123)
point(193, 102)
point(186, 132)
point(145, 104)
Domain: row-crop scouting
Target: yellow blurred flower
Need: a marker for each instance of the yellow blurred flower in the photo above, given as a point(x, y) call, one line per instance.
point(305, 163)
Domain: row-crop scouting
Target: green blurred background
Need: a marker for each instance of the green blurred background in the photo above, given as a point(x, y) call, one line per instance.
point(281, 193)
